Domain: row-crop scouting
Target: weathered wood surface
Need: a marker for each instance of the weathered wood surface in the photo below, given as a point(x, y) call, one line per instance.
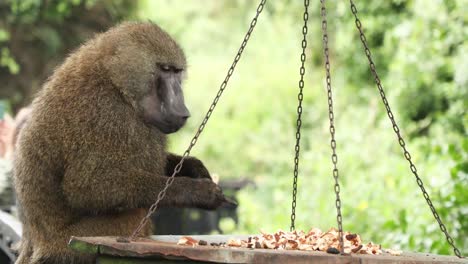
point(165, 247)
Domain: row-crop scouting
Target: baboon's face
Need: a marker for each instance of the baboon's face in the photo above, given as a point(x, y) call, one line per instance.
point(147, 66)
point(163, 106)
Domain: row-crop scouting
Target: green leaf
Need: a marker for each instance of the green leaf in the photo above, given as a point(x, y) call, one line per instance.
point(4, 35)
point(402, 220)
point(8, 61)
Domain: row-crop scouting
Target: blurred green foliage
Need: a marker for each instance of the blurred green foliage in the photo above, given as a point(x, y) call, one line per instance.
point(35, 35)
point(421, 53)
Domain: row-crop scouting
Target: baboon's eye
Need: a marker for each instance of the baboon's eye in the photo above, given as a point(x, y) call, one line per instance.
point(169, 68)
point(165, 68)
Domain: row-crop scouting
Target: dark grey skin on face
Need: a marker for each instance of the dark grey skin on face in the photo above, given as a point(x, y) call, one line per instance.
point(164, 106)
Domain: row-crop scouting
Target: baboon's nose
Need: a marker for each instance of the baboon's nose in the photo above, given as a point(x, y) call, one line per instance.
point(184, 114)
point(185, 117)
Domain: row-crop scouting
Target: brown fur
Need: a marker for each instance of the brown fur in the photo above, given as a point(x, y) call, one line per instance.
point(86, 163)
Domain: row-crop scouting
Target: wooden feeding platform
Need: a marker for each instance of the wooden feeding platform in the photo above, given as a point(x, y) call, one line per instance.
point(164, 249)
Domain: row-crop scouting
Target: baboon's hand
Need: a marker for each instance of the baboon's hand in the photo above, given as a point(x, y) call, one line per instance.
point(208, 195)
point(194, 169)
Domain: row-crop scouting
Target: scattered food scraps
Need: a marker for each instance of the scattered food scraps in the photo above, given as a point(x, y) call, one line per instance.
point(188, 241)
point(314, 240)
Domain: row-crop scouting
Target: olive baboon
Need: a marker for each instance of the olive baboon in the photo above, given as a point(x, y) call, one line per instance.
point(92, 155)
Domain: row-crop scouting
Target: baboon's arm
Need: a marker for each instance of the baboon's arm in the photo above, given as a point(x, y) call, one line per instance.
point(192, 167)
point(112, 187)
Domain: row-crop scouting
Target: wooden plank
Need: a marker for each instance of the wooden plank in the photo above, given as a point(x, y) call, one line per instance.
point(83, 246)
point(166, 247)
point(124, 260)
point(207, 238)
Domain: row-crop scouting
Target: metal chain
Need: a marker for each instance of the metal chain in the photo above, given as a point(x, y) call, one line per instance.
point(178, 167)
point(397, 130)
point(300, 97)
point(331, 117)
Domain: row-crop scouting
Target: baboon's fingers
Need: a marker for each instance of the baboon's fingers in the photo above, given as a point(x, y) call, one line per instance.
point(196, 169)
point(229, 203)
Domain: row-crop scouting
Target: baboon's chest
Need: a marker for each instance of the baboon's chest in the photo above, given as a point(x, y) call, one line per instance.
point(149, 156)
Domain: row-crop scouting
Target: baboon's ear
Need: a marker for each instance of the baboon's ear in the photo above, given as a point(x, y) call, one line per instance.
point(131, 68)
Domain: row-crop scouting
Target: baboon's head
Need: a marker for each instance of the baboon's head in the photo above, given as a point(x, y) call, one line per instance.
point(147, 66)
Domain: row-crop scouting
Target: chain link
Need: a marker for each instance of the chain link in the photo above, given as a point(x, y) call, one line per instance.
point(300, 97)
point(396, 129)
point(331, 117)
point(178, 167)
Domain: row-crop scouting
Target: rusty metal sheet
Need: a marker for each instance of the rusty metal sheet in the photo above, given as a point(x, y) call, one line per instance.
point(165, 247)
